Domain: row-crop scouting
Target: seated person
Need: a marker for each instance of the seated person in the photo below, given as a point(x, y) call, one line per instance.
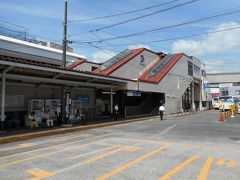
point(33, 124)
point(49, 121)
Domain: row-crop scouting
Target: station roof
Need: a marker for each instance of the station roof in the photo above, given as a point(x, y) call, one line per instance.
point(159, 69)
point(40, 72)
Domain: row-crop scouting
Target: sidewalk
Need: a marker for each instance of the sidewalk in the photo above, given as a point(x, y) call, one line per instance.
point(23, 134)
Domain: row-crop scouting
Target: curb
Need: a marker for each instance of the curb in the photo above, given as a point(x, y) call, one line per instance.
point(26, 136)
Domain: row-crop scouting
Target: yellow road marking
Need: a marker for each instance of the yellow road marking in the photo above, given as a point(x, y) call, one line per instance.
point(220, 162)
point(104, 155)
point(120, 169)
point(39, 174)
point(134, 149)
point(205, 169)
point(71, 137)
point(25, 145)
point(31, 151)
point(178, 168)
point(105, 149)
point(49, 153)
point(17, 147)
point(231, 164)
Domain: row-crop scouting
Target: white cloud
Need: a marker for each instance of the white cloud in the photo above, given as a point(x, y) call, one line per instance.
point(211, 43)
point(136, 46)
point(101, 56)
point(30, 11)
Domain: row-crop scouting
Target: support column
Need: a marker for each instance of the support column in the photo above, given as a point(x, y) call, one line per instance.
point(193, 105)
point(200, 98)
point(111, 100)
point(3, 100)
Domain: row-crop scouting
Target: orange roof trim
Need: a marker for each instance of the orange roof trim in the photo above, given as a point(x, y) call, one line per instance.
point(159, 76)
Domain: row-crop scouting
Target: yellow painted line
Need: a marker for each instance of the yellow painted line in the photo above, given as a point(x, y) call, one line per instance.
point(46, 154)
point(104, 155)
point(25, 145)
point(105, 149)
point(143, 140)
point(39, 174)
point(67, 138)
point(178, 168)
point(205, 169)
point(220, 162)
point(231, 164)
point(134, 149)
point(131, 163)
point(31, 151)
point(17, 147)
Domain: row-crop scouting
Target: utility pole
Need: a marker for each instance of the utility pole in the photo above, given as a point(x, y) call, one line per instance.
point(63, 107)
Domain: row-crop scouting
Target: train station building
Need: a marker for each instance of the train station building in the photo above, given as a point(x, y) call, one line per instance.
point(138, 80)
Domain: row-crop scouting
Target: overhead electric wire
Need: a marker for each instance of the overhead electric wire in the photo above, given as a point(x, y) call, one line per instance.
point(146, 15)
point(182, 37)
point(167, 27)
point(123, 13)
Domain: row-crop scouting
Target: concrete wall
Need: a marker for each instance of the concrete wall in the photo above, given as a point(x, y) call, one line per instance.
point(86, 66)
point(169, 84)
point(223, 78)
point(131, 69)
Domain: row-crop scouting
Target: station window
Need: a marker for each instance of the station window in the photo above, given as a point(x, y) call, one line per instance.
point(190, 68)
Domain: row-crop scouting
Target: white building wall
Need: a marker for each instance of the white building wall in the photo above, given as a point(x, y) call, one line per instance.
point(26, 50)
point(178, 75)
point(86, 66)
point(131, 69)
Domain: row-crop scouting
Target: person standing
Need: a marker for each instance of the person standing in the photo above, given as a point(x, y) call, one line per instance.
point(58, 112)
point(33, 124)
point(161, 110)
point(116, 112)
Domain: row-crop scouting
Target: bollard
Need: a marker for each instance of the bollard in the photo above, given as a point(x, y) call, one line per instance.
point(221, 117)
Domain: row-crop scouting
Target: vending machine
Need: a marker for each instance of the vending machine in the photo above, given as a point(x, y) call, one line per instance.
point(36, 106)
point(51, 105)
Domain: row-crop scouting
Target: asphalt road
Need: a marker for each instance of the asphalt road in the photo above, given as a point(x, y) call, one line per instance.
point(188, 147)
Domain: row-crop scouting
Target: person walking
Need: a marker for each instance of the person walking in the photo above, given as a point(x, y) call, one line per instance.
point(161, 110)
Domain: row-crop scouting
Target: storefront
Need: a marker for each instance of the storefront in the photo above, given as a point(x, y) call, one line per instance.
point(32, 86)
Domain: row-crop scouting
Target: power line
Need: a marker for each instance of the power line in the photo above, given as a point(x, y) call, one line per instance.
point(181, 37)
point(123, 13)
point(140, 17)
point(166, 27)
point(7, 22)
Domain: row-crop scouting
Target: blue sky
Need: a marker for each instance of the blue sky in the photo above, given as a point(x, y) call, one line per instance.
point(219, 51)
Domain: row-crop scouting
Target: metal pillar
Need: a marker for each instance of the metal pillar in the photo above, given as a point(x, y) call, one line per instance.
point(63, 107)
point(3, 95)
point(193, 105)
point(3, 100)
point(200, 99)
point(111, 100)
